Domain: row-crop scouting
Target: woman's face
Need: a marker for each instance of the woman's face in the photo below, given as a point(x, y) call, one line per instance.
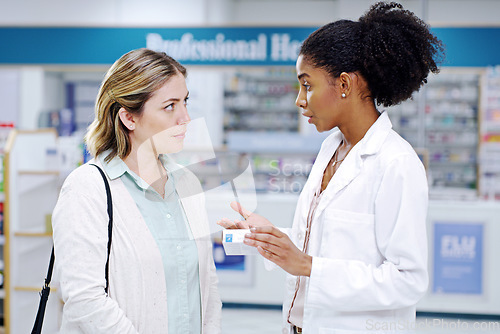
point(164, 118)
point(318, 96)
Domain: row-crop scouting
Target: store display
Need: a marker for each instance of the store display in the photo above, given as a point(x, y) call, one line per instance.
point(80, 102)
point(442, 120)
point(1, 274)
point(30, 185)
point(261, 101)
point(489, 186)
point(1, 218)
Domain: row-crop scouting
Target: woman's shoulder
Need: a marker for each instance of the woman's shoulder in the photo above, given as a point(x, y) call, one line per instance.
point(397, 149)
point(84, 178)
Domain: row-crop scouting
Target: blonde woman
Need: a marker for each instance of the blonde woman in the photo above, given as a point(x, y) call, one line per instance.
point(161, 272)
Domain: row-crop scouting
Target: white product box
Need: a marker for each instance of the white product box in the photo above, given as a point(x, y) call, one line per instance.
point(232, 240)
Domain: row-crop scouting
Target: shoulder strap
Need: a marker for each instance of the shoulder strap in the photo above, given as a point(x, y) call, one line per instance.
point(44, 294)
point(110, 234)
point(110, 223)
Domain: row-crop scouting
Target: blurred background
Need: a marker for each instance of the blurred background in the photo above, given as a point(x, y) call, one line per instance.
point(240, 56)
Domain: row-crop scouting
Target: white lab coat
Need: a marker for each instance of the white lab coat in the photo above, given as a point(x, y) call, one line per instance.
point(368, 237)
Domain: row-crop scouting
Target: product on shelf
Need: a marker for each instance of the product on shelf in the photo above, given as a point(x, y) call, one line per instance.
point(443, 119)
point(489, 152)
point(261, 101)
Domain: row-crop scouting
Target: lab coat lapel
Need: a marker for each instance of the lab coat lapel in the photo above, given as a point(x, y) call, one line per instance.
point(322, 161)
point(348, 171)
point(352, 165)
point(313, 181)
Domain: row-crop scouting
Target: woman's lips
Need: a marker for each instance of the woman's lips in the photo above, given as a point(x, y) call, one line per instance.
point(310, 118)
point(180, 135)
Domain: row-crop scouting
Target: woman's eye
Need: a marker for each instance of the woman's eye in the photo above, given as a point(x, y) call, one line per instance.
point(170, 107)
point(306, 86)
point(186, 101)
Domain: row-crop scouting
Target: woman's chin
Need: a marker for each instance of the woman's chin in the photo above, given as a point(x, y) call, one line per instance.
point(177, 148)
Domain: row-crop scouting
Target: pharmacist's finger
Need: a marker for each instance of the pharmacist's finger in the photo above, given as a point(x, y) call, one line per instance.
point(267, 229)
point(236, 206)
point(241, 224)
point(267, 254)
point(227, 223)
point(281, 251)
point(267, 247)
point(265, 240)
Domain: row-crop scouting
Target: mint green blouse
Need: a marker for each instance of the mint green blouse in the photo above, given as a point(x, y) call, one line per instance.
point(168, 224)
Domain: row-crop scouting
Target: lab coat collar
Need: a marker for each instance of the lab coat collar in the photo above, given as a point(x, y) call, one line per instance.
point(374, 138)
point(350, 168)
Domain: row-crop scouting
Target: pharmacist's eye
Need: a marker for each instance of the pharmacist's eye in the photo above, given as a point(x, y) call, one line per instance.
point(306, 86)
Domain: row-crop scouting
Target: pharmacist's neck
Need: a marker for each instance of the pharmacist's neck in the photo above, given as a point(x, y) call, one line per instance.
point(355, 128)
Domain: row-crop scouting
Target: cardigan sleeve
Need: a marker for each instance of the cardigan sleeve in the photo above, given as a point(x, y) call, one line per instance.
point(212, 323)
point(80, 225)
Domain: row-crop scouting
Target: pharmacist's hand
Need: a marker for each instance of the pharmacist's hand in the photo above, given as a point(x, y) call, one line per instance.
point(250, 219)
point(277, 247)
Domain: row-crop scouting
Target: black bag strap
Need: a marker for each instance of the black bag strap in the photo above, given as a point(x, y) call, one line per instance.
point(110, 223)
point(44, 294)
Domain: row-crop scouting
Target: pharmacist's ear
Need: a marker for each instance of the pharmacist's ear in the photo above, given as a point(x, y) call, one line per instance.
point(127, 118)
point(345, 84)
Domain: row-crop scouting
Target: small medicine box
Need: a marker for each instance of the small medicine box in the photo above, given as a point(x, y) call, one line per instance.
point(232, 240)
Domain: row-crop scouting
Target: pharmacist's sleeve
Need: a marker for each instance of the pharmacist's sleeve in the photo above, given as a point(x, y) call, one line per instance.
point(400, 233)
point(80, 231)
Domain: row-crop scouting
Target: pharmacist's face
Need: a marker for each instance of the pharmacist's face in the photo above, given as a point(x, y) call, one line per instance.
point(162, 124)
point(318, 96)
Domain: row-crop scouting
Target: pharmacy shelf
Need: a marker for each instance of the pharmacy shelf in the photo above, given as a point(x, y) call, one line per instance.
point(31, 191)
point(443, 119)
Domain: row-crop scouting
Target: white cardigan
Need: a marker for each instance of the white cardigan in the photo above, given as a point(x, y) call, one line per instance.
point(136, 301)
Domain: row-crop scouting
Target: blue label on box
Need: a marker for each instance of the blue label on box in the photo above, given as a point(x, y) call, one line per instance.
point(458, 258)
point(229, 238)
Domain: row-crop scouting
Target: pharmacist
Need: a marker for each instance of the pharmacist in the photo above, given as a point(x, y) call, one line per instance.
point(357, 252)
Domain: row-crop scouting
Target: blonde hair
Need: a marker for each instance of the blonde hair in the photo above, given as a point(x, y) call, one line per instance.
point(128, 84)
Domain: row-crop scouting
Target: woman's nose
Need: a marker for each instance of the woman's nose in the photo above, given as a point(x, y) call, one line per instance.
point(184, 117)
point(301, 101)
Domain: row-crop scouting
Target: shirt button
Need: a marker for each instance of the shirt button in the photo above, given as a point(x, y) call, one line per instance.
point(169, 215)
point(179, 247)
point(183, 281)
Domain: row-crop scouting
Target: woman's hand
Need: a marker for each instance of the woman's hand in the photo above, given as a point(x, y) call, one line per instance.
point(251, 219)
point(277, 247)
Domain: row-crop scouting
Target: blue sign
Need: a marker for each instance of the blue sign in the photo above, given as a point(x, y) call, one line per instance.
point(465, 46)
point(190, 46)
point(458, 258)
